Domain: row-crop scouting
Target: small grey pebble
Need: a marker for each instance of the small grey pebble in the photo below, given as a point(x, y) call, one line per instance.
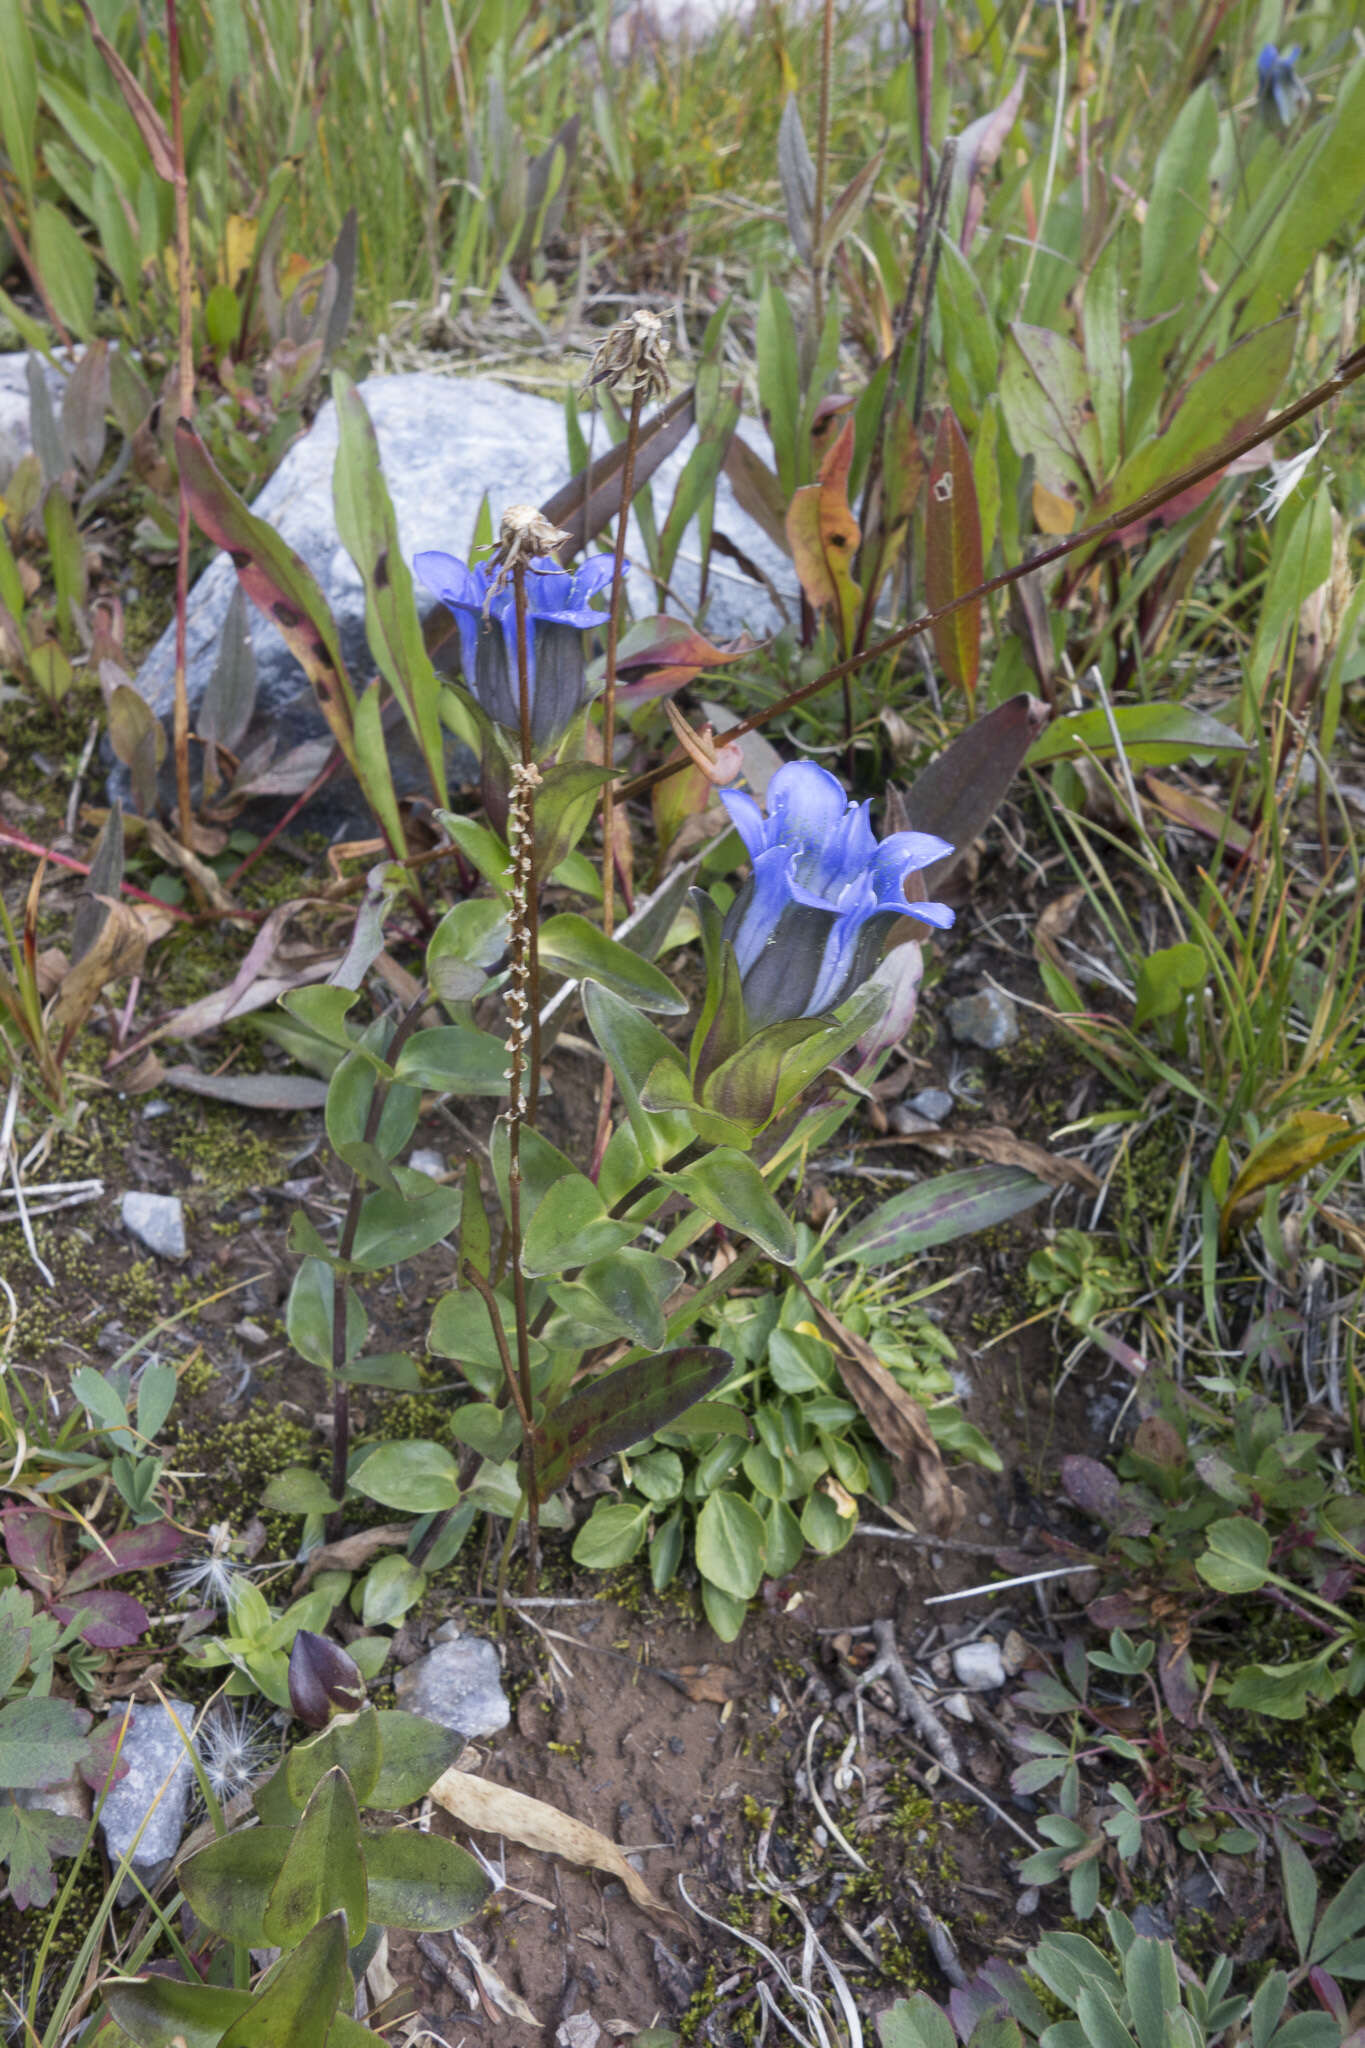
point(979, 1666)
point(988, 1019)
point(425, 1160)
point(158, 1221)
point(677, 1745)
point(932, 1103)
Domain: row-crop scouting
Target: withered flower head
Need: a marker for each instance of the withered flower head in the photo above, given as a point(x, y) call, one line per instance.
point(634, 354)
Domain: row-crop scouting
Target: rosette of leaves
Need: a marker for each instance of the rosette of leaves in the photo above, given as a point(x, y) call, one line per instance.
point(316, 1881)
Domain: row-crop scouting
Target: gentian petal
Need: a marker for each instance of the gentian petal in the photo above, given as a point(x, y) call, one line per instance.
point(754, 916)
point(783, 981)
point(448, 578)
point(806, 805)
point(747, 819)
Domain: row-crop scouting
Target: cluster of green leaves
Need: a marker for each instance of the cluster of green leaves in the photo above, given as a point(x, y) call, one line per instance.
point(1133, 1993)
point(315, 1881)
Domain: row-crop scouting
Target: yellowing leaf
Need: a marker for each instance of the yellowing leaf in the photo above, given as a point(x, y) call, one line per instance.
point(1309, 1138)
point(1052, 513)
point(952, 554)
point(239, 246)
point(823, 536)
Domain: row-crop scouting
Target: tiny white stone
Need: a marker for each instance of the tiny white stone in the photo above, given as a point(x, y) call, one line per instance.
point(955, 1703)
point(426, 1160)
point(158, 1221)
point(979, 1666)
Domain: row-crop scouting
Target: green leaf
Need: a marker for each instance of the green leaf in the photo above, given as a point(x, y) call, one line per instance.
point(633, 1047)
point(728, 1186)
point(622, 1296)
point(308, 1318)
point(392, 1586)
point(396, 1370)
point(350, 1094)
point(66, 266)
point(939, 1211)
point(573, 946)
point(394, 1227)
point(1238, 1557)
point(324, 1009)
point(1342, 1919)
point(324, 1869)
point(779, 385)
point(915, 2022)
point(42, 1741)
point(784, 1544)
point(158, 2012)
point(229, 1883)
point(822, 1525)
point(1284, 1690)
point(157, 1387)
point(1153, 736)
point(1103, 2027)
point(350, 1740)
point(611, 1536)
point(1165, 979)
point(729, 1544)
point(422, 1882)
point(29, 1840)
point(369, 533)
point(570, 1227)
point(1300, 1893)
point(412, 1474)
point(455, 1059)
point(617, 1409)
point(413, 1754)
point(298, 1491)
point(722, 1610)
point(491, 1431)
point(18, 95)
point(1325, 198)
point(1153, 1988)
point(1177, 210)
point(300, 1996)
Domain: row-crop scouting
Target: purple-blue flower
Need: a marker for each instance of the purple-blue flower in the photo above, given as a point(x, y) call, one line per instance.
point(1282, 91)
point(557, 613)
point(809, 925)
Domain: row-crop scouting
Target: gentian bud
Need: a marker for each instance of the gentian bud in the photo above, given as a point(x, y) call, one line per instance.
point(323, 1680)
point(1282, 92)
point(809, 925)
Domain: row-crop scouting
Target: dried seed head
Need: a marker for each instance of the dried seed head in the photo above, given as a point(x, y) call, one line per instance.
point(720, 765)
point(634, 354)
point(523, 538)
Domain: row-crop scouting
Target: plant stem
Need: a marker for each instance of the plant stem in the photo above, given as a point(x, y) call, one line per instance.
point(526, 990)
point(618, 577)
point(185, 409)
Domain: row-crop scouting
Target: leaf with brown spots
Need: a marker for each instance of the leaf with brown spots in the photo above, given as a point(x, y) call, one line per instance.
point(1003, 1148)
point(823, 536)
point(898, 1422)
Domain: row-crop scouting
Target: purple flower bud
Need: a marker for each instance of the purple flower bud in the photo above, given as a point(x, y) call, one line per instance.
point(557, 614)
point(1282, 91)
point(323, 1680)
point(809, 925)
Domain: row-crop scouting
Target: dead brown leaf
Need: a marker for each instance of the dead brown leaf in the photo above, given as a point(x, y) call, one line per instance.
point(117, 952)
point(200, 873)
point(713, 1684)
point(896, 1420)
point(1002, 1148)
point(352, 1552)
point(497, 1810)
point(1055, 919)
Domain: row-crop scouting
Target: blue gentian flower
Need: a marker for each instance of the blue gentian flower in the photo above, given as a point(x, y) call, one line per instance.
point(809, 925)
point(1282, 91)
point(557, 613)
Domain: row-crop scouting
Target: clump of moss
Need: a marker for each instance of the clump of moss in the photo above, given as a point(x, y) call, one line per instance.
point(221, 1156)
point(227, 1467)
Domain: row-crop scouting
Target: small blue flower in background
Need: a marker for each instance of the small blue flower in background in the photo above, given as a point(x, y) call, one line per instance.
point(1282, 91)
point(809, 925)
point(557, 613)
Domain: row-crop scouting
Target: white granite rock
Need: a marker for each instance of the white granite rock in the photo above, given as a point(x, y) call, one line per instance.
point(443, 442)
point(459, 1685)
point(154, 1754)
point(979, 1666)
point(158, 1221)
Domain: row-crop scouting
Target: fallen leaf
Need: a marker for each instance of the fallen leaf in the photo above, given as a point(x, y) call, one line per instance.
point(491, 1986)
point(116, 953)
point(895, 1419)
point(823, 536)
point(351, 1552)
point(1003, 1148)
point(282, 1092)
point(1307, 1139)
point(713, 1683)
point(497, 1810)
point(170, 850)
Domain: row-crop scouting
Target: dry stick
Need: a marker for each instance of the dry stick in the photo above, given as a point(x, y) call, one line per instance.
point(185, 408)
point(637, 400)
point(817, 221)
point(526, 982)
point(1348, 372)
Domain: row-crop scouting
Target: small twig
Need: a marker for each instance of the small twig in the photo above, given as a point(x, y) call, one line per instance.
point(1060, 1571)
point(911, 1704)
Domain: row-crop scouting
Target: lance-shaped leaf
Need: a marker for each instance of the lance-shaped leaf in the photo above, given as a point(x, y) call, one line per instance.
point(158, 2012)
point(952, 559)
point(141, 1549)
point(369, 533)
point(940, 1211)
point(591, 500)
point(324, 1869)
point(299, 2000)
point(276, 580)
point(960, 791)
point(1308, 1138)
point(573, 946)
point(823, 536)
point(729, 1187)
point(717, 414)
point(422, 1882)
point(1152, 735)
point(621, 1408)
point(228, 1884)
point(796, 172)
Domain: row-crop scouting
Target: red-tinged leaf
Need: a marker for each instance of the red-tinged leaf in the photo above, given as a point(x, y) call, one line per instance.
point(130, 1550)
point(952, 561)
point(1093, 1488)
point(1179, 1684)
point(659, 655)
point(33, 1542)
point(276, 581)
point(823, 536)
point(111, 1620)
point(978, 152)
point(620, 1408)
point(960, 791)
point(591, 500)
point(940, 1211)
point(1198, 814)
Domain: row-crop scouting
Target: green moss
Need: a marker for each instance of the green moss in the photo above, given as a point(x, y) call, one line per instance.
point(226, 1468)
point(223, 1158)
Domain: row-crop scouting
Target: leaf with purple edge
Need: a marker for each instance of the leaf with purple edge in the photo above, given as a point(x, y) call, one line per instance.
point(617, 1409)
point(940, 1211)
point(952, 561)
